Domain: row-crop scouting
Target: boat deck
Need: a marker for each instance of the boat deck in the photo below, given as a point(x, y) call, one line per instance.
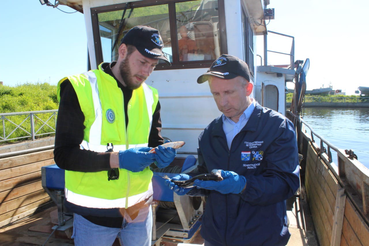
point(37, 229)
point(301, 224)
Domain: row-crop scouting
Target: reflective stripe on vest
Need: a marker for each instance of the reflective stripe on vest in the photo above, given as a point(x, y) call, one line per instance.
point(93, 202)
point(95, 132)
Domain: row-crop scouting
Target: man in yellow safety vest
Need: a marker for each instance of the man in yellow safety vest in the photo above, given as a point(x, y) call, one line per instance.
point(107, 119)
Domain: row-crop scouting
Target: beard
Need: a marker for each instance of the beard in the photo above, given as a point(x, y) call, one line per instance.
point(125, 72)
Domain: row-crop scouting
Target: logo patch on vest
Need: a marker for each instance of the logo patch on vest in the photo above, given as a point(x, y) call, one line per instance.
point(110, 116)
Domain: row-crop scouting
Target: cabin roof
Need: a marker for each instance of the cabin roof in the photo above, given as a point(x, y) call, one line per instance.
point(255, 11)
point(74, 4)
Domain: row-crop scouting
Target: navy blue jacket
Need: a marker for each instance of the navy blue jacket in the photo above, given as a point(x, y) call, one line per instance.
point(265, 152)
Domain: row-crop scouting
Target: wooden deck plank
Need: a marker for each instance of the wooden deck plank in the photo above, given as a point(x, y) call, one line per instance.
point(17, 203)
point(24, 211)
point(15, 161)
point(19, 180)
point(350, 235)
point(24, 169)
point(359, 226)
point(322, 218)
point(319, 218)
point(20, 190)
point(338, 217)
point(327, 199)
point(21, 233)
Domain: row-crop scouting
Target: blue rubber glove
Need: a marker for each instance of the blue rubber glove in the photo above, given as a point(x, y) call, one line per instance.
point(164, 156)
point(232, 183)
point(136, 159)
point(179, 190)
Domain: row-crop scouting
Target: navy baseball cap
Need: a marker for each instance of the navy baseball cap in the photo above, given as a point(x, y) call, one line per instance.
point(147, 41)
point(226, 67)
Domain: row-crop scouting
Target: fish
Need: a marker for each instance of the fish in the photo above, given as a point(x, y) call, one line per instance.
point(214, 175)
point(174, 145)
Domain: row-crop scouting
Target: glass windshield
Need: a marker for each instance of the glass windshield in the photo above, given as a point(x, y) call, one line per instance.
point(112, 29)
point(195, 36)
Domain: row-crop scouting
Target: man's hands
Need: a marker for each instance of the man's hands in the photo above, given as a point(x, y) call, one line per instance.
point(179, 190)
point(164, 156)
point(136, 159)
point(232, 183)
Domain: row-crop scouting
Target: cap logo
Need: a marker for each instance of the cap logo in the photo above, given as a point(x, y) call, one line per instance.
point(220, 62)
point(110, 116)
point(156, 39)
point(223, 74)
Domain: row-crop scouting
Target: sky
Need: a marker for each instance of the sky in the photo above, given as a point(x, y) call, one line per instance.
point(42, 44)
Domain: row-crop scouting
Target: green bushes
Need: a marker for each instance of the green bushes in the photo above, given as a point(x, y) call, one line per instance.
point(329, 98)
point(28, 97)
point(25, 98)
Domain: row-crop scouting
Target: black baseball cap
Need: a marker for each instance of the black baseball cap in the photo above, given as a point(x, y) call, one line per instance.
point(226, 67)
point(147, 41)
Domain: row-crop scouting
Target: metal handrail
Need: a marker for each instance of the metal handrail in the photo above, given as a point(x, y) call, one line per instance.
point(291, 54)
point(323, 142)
point(27, 125)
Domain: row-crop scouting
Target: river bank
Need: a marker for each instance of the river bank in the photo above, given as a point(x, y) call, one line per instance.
point(331, 101)
point(333, 105)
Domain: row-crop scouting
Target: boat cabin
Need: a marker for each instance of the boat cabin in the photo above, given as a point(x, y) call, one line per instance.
point(194, 33)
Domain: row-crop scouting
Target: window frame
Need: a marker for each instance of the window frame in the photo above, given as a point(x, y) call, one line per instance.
point(176, 64)
point(248, 36)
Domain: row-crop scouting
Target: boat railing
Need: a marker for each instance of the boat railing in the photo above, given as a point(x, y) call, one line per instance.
point(324, 145)
point(350, 173)
point(27, 125)
point(285, 49)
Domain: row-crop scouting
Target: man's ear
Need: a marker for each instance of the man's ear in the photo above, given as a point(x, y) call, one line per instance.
point(122, 51)
point(249, 87)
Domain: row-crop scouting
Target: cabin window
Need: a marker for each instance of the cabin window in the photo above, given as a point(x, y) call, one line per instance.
point(270, 97)
point(189, 29)
point(197, 30)
point(113, 25)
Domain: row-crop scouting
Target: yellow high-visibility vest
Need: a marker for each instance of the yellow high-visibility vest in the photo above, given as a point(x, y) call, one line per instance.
point(102, 103)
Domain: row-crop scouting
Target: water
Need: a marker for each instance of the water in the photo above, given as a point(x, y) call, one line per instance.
point(343, 128)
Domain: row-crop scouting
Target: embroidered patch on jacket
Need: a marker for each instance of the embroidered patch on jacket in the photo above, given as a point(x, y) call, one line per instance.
point(257, 155)
point(245, 155)
point(251, 165)
point(110, 116)
point(253, 145)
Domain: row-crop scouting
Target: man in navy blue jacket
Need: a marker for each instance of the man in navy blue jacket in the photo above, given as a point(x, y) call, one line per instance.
point(254, 149)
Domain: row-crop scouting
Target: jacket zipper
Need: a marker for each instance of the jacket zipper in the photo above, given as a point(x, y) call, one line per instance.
point(228, 164)
point(128, 176)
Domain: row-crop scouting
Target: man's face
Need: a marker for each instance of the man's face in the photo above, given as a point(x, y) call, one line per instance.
point(136, 68)
point(231, 95)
